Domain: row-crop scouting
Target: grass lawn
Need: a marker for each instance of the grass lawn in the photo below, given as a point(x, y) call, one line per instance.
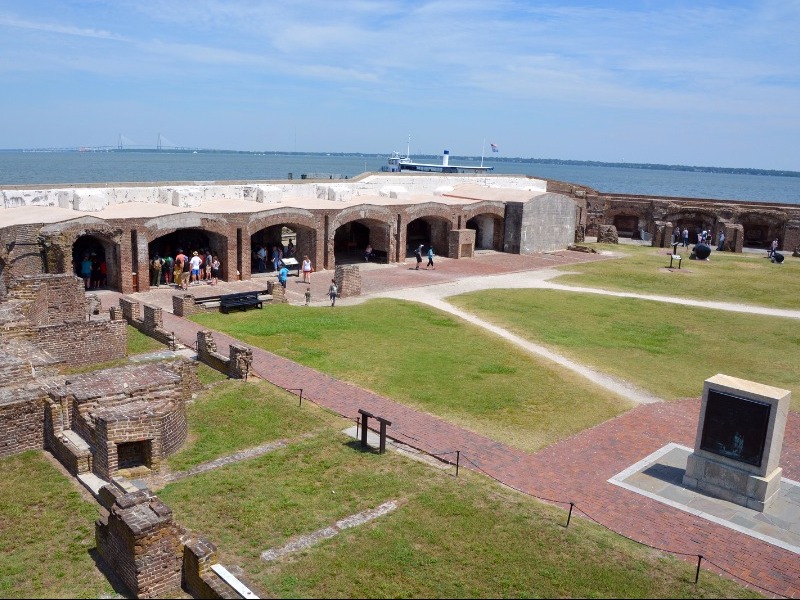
point(449, 537)
point(667, 349)
point(46, 533)
point(726, 277)
point(408, 352)
point(235, 415)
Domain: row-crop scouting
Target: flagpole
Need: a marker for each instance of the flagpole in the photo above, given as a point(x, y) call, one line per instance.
point(483, 147)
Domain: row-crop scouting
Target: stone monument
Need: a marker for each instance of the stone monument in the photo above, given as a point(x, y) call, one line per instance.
point(738, 442)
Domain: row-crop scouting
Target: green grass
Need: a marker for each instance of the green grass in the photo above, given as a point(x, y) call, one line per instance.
point(450, 537)
point(727, 277)
point(46, 533)
point(432, 361)
point(139, 343)
point(235, 415)
point(667, 349)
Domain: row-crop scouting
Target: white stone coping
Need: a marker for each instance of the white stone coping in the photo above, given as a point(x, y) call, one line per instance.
point(233, 581)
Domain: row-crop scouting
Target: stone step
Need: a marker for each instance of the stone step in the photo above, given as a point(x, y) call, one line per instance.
point(92, 482)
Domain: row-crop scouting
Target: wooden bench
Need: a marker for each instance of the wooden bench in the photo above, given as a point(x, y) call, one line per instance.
point(243, 301)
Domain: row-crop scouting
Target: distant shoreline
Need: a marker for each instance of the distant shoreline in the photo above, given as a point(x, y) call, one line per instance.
point(502, 159)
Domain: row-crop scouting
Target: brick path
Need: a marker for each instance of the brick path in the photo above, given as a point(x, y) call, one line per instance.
point(573, 470)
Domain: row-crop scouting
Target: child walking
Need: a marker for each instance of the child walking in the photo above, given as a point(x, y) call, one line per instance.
point(333, 291)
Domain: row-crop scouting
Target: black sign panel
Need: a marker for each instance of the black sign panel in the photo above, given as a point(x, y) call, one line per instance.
point(735, 428)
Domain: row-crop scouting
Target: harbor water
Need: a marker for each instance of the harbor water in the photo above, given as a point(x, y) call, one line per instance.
point(40, 168)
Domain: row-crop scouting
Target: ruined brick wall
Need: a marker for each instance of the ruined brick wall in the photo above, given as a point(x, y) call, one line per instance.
point(21, 421)
point(53, 298)
point(140, 541)
point(198, 578)
point(461, 243)
point(183, 305)
point(151, 323)
point(348, 280)
point(83, 343)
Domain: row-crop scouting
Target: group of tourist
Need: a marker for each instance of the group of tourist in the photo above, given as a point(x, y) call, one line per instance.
point(276, 256)
point(704, 236)
point(418, 257)
point(93, 270)
point(183, 270)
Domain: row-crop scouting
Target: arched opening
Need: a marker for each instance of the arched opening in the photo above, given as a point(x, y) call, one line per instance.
point(351, 239)
point(759, 231)
point(290, 239)
point(189, 241)
point(694, 224)
point(429, 232)
point(96, 261)
point(627, 226)
point(488, 232)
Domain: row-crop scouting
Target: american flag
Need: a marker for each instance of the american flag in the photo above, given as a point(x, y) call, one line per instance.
point(494, 148)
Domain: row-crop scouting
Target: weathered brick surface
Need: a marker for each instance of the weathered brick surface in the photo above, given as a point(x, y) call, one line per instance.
point(141, 542)
point(21, 421)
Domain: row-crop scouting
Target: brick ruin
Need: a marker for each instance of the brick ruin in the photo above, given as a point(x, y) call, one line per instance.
point(107, 422)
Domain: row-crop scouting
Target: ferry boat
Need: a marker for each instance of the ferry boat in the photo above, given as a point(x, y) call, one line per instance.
point(398, 163)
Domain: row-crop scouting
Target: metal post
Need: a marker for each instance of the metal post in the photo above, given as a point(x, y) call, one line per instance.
point(358, 425)
point(458, 459)
point(301, 397)
point(569, 516)
point(697, 573)
point(364, 430)
point(383, 437)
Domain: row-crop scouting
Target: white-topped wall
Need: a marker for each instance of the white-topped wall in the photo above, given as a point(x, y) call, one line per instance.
point(92, 199)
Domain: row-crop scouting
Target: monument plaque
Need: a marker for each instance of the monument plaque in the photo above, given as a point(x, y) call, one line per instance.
point(738, 442)
point(735, 427)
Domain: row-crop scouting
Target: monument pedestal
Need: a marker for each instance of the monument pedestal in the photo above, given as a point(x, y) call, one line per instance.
point(730, 483)
point(738, 442)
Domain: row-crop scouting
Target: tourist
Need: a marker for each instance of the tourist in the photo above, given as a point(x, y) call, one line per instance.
point(195, 263)
point(308, 296)
point(155, 270)
point(772, 248)
point(95, 271)
point(277, 255)
point(103, 273)
point(721, 244)
point(306, 269)
point(283, 273)
point(209, 258)
point(367, 252)
point(177, 267)
point(215, 265)
point(418, 256)
point(430, 258)
point(262, 259)
point(290, 249)
point(685, 237)
point(86, 271)
point(333, 291)
point(167, 270)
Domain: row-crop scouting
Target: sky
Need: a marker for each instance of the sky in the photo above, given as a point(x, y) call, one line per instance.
point(707, 83)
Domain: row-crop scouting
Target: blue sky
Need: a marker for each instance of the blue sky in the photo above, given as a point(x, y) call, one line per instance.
point(695, 82)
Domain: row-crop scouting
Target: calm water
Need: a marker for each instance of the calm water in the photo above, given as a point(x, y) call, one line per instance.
point(32, 168)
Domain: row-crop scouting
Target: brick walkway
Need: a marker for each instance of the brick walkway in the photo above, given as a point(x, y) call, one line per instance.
point(573, 470)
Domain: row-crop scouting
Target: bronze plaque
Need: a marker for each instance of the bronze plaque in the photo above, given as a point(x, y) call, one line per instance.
point(735, 427)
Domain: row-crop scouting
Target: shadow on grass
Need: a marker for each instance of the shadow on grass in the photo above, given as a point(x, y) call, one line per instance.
point(116, 583)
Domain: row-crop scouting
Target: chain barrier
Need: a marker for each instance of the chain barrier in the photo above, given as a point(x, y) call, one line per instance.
point(572, 505)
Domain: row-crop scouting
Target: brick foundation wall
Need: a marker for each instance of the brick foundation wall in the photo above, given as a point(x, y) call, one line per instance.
point(141, 543)
point(348, 280)
point(22, 422)
point(152, 322)
point(83, 343)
